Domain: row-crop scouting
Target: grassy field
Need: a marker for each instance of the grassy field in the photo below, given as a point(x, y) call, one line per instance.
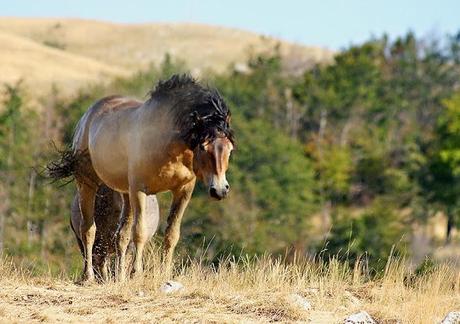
point(238, 291)
point(72, 54)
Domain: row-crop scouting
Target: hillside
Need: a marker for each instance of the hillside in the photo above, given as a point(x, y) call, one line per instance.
point(38, 64)
point(71, 52)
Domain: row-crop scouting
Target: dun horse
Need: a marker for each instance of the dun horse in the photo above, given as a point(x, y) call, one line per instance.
point(180, 133)
point(107, 210)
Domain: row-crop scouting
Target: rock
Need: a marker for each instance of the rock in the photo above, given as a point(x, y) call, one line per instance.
point(171, 286)
point(451, 318)
point(299, 302)
point(360, 318)
point(242, 68)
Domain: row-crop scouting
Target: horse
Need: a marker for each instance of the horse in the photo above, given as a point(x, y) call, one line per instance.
point(179, 134)
point(107, 210)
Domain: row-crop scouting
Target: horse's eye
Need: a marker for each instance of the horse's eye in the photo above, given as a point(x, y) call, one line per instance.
point(202, 147)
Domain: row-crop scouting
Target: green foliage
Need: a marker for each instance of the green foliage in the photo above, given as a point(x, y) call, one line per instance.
point(441, 178)
point(449, 133)
point(272, 181)
point(369, 237)
point(29, 205)
point(426, 267)
point(356, 141)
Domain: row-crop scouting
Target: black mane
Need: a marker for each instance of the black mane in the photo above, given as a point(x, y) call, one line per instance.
point(199, 111)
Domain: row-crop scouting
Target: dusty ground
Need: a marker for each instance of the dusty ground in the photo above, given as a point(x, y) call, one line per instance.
point(63, 302)
point(240, 291)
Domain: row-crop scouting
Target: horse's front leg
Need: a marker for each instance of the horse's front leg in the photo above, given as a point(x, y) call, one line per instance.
point(87, 229)
point(123, 238)
point(180, 201)
point(137, 199)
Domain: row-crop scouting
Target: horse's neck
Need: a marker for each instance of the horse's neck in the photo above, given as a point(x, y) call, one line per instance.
point(167, 134)
point(177, 147)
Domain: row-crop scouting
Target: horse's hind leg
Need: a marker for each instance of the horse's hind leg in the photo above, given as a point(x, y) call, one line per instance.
point(105, 269)
point(87, 228)
point(123, 237)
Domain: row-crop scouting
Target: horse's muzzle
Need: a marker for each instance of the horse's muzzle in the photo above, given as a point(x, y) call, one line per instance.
point(219, 194)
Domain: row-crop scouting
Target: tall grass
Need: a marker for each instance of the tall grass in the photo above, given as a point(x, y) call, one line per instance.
point(259, 288)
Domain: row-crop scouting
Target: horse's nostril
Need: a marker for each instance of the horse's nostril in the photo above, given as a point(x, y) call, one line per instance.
point(227, 186)
point(213, 193)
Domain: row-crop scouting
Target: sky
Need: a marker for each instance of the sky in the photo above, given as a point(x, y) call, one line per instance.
point(335, 24)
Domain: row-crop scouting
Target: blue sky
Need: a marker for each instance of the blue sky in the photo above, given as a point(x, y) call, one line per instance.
point(330, 23)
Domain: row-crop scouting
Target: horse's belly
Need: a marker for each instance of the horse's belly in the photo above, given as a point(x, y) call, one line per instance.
point(110, 165)
point(112, 174)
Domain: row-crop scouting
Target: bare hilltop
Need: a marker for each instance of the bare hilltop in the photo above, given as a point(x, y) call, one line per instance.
point(72, 52)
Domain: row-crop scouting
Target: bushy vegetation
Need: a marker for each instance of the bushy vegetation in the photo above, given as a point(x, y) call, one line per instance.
point(340, 160)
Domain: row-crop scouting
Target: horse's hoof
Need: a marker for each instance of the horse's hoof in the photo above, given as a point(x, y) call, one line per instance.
point(120, 278)
point(102, 281)
point(167, 269)
point(86, 281)
point(136, 274)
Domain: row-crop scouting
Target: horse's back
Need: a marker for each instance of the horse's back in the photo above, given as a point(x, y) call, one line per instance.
point(105, 105)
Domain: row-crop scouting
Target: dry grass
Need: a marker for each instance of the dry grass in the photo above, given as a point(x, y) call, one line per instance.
point(70, 52)
point(40, 66)
point(238, 291)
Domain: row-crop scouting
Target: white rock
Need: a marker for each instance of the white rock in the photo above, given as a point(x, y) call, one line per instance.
point(242, 68)
point(360, 318)
point(300, 301)
point(171, 286)
point(451, 318)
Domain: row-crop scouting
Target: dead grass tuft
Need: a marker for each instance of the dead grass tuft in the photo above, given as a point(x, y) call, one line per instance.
point(244, 289)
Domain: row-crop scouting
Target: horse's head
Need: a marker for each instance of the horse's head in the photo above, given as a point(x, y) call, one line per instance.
point(211, 163)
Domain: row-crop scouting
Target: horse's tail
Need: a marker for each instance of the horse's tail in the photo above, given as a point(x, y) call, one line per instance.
point(67, 166)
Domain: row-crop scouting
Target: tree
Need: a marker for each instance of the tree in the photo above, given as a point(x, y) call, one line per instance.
point(442, 176)
point(369, 237)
